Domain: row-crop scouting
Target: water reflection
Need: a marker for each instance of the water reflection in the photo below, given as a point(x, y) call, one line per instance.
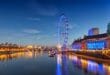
point(33, 54)
point(6, 57)
point(89, 66)
point(59, 72)
point(37, 62)
point(30, 54)
point(62, 67)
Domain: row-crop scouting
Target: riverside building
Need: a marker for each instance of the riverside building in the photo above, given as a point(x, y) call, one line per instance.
point(94, 40)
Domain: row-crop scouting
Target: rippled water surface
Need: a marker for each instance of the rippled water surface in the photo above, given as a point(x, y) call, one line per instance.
point(39, 63)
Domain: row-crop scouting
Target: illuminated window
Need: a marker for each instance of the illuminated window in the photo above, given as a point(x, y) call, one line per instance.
point(96, 45)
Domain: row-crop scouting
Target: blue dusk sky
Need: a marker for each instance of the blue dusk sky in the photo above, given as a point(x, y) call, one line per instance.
point(35, 21)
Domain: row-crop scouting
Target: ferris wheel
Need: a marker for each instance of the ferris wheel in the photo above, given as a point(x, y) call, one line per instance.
point(63, 28)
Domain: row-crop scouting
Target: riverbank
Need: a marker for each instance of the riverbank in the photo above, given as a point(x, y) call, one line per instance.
point(9, 52)
point(98, 57)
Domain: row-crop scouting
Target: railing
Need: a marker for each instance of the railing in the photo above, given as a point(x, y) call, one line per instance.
point(95, 53)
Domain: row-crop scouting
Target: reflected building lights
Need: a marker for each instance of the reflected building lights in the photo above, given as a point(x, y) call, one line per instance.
point(33, 54)
point(90, 66)
point(6, 57)
point(58, 71)
point(62, 67)
point(107, 68)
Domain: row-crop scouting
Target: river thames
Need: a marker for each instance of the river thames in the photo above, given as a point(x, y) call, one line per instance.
point(39, 63)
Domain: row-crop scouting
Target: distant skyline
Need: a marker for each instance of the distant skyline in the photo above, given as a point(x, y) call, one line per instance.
point(35, 21)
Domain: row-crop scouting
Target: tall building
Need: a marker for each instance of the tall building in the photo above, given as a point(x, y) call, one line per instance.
point(93, 31)
point(94, 40)
point(108, 29)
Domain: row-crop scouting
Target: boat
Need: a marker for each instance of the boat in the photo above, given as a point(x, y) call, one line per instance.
point(52, 53)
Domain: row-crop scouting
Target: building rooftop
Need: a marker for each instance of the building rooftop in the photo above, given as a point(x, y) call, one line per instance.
point(92, 37)
point(96, 36)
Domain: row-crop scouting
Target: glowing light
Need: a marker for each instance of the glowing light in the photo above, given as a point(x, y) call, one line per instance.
point(30, 46)
point(109, 69)
point(39, 47)
point(58, 69)
point(96, 45)
point(29, 55)
point(59, 46)
point(75, 58)
point(92, 66)
point(59, 60)
point(62, 33)
point(76, 46)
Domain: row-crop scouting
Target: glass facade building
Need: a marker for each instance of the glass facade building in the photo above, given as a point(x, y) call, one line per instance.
point(93, 31)
point(76, 46)
point(96, 45)
point(94, 40)
point(108, 29)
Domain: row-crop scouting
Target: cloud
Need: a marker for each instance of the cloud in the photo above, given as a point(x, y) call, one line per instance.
point(48, 11)
point(31, 31)
point(73, 26)
point(19, 35)
point(43, 9)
